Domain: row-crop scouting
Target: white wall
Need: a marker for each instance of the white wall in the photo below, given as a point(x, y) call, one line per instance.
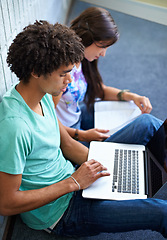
point(152, 10)
point(14, 16)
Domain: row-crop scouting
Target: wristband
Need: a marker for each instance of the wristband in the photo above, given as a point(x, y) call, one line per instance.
point(76, 182)
point(76, 136)
point(119, 95)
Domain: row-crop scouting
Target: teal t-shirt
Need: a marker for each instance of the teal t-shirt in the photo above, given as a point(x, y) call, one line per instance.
point(30, 145)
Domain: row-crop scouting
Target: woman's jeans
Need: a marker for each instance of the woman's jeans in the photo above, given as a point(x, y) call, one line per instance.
point(86, 217)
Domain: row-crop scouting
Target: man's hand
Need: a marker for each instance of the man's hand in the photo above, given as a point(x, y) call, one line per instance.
point(89, 172)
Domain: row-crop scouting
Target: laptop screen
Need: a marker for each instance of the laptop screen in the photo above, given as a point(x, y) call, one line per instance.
point(157, 175)
point(158, 144)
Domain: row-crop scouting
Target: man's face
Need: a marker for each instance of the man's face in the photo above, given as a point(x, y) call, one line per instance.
point(56, 82)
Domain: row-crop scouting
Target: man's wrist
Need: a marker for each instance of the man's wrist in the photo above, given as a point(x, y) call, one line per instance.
point(76, 182)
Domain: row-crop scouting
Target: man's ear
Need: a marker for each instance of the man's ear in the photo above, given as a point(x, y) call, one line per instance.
point(34, 75)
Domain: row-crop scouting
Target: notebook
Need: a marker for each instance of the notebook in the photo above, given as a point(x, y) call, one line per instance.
point(136, 171)
point(114, 115)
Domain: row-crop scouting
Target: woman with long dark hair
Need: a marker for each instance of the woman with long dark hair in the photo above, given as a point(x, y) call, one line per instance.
point(97, 29)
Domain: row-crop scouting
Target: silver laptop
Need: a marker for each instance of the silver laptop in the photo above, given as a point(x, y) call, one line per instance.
point(136, 171)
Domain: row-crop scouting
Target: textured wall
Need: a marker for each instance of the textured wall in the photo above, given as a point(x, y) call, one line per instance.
point(14, 16)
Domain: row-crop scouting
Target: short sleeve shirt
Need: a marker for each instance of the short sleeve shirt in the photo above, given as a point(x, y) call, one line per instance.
point(30, 145)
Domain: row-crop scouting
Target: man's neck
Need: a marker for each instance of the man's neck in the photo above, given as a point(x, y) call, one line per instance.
point(31, 96)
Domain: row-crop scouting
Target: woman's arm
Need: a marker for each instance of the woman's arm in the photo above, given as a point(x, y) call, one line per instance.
point(141, 101)
point(110, 94)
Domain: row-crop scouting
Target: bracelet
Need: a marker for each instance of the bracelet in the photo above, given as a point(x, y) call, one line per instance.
point(119, 95)
point(76, 136)
point(76, 182)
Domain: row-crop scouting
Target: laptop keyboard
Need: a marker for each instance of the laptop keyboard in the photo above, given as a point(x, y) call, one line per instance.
point(126, 172)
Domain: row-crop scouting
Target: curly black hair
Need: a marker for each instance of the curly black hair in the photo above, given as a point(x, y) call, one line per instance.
point(42, 48)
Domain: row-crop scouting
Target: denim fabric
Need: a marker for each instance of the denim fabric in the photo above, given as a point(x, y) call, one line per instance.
point(87, 117)
point(139, 131)
point(86, 217)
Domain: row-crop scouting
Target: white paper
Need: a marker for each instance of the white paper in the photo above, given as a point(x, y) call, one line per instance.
point(113, 115)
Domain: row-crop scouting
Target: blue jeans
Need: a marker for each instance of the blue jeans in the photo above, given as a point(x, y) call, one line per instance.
point(87, 217)
point(140, 131)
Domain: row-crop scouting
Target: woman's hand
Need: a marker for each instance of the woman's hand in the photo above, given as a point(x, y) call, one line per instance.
point(141, 101)
point(93, 134)
point(89, 172)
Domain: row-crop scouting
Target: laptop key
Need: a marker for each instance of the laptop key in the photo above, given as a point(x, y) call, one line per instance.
point(126, 172)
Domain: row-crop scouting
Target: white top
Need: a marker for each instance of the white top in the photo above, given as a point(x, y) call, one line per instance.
point(68, 110)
